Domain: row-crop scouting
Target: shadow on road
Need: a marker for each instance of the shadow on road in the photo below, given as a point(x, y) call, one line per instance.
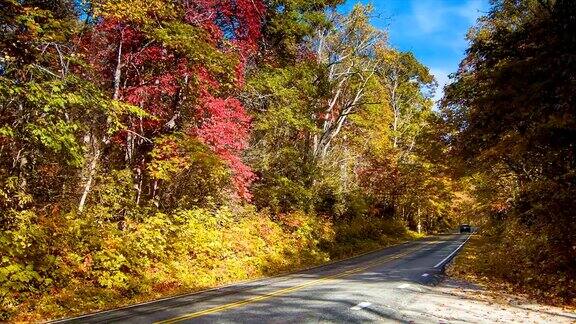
point(401, 289)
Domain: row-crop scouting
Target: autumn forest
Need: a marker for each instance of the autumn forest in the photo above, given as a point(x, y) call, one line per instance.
point(152, 147)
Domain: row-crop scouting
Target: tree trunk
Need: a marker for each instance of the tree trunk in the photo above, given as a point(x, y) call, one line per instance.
point(139, 186)
point(118, 70)
point(90, 172)
point(94, 142)
point(418, 222)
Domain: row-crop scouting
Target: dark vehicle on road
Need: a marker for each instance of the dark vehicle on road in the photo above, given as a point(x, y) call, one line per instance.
point(465, 228)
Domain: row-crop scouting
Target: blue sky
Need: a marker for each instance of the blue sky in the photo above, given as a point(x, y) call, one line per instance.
point(434, 30)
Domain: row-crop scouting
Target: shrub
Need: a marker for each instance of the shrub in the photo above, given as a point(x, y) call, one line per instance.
point(363, 233)
point(71, 262)
point(512, 253)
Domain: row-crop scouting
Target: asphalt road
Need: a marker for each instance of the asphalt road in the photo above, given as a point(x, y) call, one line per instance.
point(375, 287)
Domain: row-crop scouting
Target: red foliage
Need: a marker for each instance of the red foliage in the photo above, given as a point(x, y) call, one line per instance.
point(225, 128)
point(235, 20)
point(154, 76)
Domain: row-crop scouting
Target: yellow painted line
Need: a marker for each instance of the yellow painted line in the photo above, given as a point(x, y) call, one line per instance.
point(282, 291)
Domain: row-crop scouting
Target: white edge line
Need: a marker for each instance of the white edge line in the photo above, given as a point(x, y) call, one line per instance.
point(453, 252)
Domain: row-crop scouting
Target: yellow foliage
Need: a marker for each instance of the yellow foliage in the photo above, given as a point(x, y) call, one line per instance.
point(100, 264)
point(511, 258)
point(138, 11)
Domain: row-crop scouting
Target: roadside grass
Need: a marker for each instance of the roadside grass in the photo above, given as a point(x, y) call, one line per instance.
point(483, 262)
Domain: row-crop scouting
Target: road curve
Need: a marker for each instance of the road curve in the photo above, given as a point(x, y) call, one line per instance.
point(372, 287)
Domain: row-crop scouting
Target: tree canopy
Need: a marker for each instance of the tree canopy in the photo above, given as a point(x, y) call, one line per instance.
point(155, 147)
point(512, 117)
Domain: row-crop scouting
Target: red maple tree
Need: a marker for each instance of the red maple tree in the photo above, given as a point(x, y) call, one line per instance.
point(179, 91)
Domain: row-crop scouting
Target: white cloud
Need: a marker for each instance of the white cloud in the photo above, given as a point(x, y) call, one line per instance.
point(431, 16)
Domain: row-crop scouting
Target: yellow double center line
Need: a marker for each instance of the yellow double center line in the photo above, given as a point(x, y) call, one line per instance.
point(285, 290)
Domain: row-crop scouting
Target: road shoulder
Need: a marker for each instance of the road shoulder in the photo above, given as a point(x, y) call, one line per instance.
point(460, 300)
point(492, 299)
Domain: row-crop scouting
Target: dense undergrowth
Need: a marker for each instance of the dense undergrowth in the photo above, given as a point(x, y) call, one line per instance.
point(512, 113)
point(67, 267)
point(507, 258)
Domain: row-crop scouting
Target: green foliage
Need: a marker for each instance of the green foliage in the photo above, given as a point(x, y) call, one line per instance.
point(513, 127)
point(115, 195)
point(194, 44)
point(65, 108)
point(121, 150)
point(178, 161)
point(284, 101)
point(289, 22)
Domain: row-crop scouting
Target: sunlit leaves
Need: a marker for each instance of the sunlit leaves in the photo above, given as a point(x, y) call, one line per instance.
point(58, 111)
point(135, 11)
point(183, 65)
